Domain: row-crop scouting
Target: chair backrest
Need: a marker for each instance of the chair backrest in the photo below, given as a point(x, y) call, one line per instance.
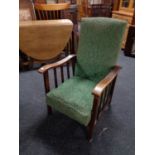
point(44, 40)
point(50, 11)
point(99, 46)
point(39, 1)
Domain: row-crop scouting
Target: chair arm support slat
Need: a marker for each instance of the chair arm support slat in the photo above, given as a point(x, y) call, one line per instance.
point(98, 89)
point(44, 68)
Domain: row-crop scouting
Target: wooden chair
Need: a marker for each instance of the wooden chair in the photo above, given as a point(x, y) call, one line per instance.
point(89, 90)
point(50, 11)
point(56, 11)
point(44, 40)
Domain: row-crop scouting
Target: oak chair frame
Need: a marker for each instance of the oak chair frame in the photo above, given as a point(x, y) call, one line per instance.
point(102, 92)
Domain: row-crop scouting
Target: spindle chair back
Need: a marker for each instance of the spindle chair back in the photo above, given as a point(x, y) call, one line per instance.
point(50, 11)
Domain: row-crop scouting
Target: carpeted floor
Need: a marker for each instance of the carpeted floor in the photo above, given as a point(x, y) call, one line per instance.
point(58, 135)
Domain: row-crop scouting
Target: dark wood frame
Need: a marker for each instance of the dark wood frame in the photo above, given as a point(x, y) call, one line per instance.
point(102, 92)
point(128, 50)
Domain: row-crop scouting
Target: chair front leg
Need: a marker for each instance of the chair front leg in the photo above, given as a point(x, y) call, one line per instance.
point(47, 89)
point(93, 120)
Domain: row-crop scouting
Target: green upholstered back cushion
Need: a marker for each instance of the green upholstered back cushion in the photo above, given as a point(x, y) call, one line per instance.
point(99, 46)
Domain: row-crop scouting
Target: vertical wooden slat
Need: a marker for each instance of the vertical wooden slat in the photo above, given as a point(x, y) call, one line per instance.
point(73, 67)
point(46, 15)
point(55, 15)
point(39, 13)
point(43, 14)
point(55, 77)
point(103, 98)
point(51, 14)
point(72, 43)
point(101, 104)
point(59, 14)
point(62, 74)
point(112, 89)
point(36, 14)
point(68, 72)
point(107, 94)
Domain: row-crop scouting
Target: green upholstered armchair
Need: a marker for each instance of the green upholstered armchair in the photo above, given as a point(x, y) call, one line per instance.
point(83, 96)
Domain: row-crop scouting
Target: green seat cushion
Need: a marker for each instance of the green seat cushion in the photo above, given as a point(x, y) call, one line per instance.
point(99, 46)
point(73, 98)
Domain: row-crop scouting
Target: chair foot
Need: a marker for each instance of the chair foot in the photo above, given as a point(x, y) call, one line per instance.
point(90, 140)
point(49, 109)
point(107, 107)
point(90, 129)
point(89, 136)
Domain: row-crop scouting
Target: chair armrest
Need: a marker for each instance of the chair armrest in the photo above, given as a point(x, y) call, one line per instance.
point(44, 68)
point(97, 91)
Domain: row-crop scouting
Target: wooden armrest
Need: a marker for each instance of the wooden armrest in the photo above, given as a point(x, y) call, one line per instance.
point(44, 68)
point(105, 82)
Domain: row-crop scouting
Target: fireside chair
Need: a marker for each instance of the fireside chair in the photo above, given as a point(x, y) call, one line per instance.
point(83, 96)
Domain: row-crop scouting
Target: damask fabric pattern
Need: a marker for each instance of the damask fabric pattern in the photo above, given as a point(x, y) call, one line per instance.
point(73, 98)
point(99, 46)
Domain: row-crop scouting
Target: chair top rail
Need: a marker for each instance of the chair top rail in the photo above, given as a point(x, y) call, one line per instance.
point(52, 7)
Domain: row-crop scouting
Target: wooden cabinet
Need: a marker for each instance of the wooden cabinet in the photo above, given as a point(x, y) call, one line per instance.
point(127, 5)
point(125, 12)
point(100, 8)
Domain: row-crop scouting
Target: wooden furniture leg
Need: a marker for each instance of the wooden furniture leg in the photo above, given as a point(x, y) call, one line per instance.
point(47, 89)
point(92, 123)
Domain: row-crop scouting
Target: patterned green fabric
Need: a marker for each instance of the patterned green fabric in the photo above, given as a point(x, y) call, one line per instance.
point(100, 42)
point(73, 98)
point(99, 46)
